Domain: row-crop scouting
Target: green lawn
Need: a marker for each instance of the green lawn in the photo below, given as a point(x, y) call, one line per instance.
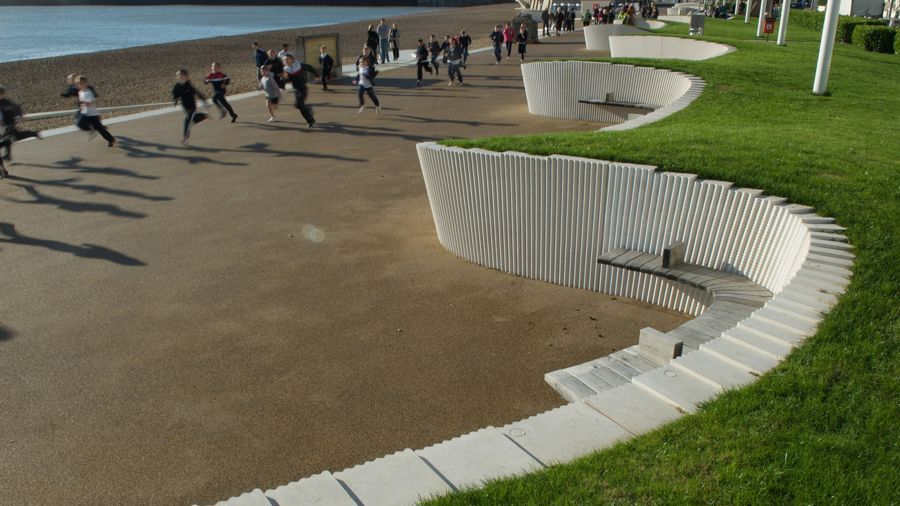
point(823, 427)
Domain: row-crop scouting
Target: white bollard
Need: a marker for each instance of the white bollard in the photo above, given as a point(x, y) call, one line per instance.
point(762, 19)
point(826, 47)
point(737, 7)
point(747, 14)
point(782, 25)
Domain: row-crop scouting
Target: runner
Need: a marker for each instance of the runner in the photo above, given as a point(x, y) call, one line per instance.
point(497, 39)
point(10, 112)
point(327, 64)
point(273, 92)
point(421, 61)
point(522, 39)
point(434, 47)
point(184, 92)
point(276, 66)
point(464, 42)
point(509, 36)
point(454, 61)
point(296, 72)
point(384, 34)
point(90, 116)
point(285, 50)
point(367, 75)
point(395, 41)
point(219, 82)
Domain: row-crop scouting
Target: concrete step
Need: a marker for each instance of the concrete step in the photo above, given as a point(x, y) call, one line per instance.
point(254, 498)
point(633, 408)
point(318, 490)
point(738, 353)
point(762, 343)
point(714, 369)
point(399, 479)
point(682, 390)
point(568, 386)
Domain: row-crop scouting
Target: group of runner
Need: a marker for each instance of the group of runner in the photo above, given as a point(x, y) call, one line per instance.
point(274, 71)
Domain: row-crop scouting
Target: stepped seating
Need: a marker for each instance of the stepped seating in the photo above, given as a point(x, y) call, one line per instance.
point(733, 299)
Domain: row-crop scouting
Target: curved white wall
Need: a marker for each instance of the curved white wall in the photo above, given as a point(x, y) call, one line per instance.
point(550, 218)
point(596, 37)
point(555, 88)
point(654, 46)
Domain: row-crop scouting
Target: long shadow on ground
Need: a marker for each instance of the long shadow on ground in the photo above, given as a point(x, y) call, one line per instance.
point(9, 234)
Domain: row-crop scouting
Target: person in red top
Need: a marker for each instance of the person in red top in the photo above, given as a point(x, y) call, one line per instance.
point(219, 82)
point(509, 37)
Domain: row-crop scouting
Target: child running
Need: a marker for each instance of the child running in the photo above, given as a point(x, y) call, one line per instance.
point(90, 115)
point(522, 39)
point(219, 82)
point(295, 72)
point(327, 64)
point(464, 42)
point(273, 92)
point(454, 61)
point(497, 41)
point(10, 112)
point(509, 36)
point(367, 75)
point(184, 92)
point(421, 61)
point(434, 47)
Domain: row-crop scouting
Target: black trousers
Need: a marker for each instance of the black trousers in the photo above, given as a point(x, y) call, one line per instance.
point(300, 103)
point(191, 118)
point(10, 135)
point(509, 49)
point(223, 105)
point(453, 71)
point(367, 91)
point(96, 124)
point(422, 64)
point(395, 48)
point(326, 75)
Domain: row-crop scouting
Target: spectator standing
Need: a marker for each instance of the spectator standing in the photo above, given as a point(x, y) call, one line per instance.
point(326, 62)
point(384, 37)
point(372, 39)
point(395, 41)
point(260, 57)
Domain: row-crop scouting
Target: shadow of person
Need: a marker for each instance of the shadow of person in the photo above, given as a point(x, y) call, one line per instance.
point(6, 333)
point(12, 236)
point(73, 206)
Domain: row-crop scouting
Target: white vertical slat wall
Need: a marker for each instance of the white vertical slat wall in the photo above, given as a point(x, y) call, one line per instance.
point(551, 218)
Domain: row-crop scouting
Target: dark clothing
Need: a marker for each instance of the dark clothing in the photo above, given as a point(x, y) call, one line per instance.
point(191, 118)
point(260, 57)
point(276, 66)
point(185, 93)
point(9, 111)
point(497, 39)
point(300, 96)
point(367, 91)
point(95, 124)
point(434, 47)
point(372, 40)
point(298, 78)
point(219, 82)
point(522, 39)
point(395, 43)
point(422, 61)
point(464, 42)
point(327, 63)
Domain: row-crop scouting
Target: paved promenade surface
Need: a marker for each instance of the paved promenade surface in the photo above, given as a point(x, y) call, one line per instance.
point(179, 325)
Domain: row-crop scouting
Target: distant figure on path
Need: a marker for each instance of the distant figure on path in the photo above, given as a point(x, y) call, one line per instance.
point(454, 62)
point(185, 93)
point(545, 22)
point(509, 36)
point(10, 112)
point(90, 115)
point(395, 41)
point(464, 42)
point(522, 39)
point(372, 38)
point(560, 17)
point(296, 72)
point(260, 57)
point(497, 40)
point(273, 92)
point(434, 47)
point(326, 62)
point(219, 82)
point(366, 86)
point(384, 37)
point(421, 61)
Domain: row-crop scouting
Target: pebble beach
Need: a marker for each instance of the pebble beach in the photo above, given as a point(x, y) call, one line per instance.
point(145, 74)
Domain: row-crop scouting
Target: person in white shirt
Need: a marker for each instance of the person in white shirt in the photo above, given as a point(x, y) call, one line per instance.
point(273, 92)
point(89, 112)
point(285, 50)
point(366, 86)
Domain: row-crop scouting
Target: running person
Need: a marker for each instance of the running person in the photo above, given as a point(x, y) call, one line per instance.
point(509, 36)
point(366, 86)
point(454, 61)
point(296, 72)
point(522, 39)
point(421, 61)
point(219, 82)
point(497, 40)
point(434, 47)
point(184, 92)
point(327, 64)
point(90, 115)
point(10, 112)
point(273, 92)
point(464, 42)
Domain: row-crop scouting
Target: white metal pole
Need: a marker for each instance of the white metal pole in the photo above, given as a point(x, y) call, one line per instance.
point(737, 7)
point(761, 20)
point(782, 25)
point(826, 47)
point(890, 14)
point(747, 14)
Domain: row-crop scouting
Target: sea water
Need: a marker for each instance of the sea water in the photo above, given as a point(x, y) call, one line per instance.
point(39, 32)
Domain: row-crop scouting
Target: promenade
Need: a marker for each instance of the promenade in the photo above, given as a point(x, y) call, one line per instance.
point(181, 324)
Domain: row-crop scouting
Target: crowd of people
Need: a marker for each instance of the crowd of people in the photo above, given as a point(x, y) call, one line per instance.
point(276, 69)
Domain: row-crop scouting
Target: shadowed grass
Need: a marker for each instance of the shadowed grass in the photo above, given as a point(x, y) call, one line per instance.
point(824, 426)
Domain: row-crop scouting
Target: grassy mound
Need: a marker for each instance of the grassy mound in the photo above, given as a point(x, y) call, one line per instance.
point(824, 426)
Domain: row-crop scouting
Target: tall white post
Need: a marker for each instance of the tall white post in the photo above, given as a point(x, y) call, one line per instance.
point(737, 7)
point(826, 47)
point(762, 19)
point(782, 25)
point(747, 14)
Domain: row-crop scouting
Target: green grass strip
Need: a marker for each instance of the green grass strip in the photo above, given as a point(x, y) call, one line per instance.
point(824, 426)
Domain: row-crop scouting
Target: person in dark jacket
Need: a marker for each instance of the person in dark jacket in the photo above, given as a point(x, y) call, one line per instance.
point(434, 47)
point(185, 93)
point(497, 40)
point(454, 62)
point(276, 67)
point(326, 62)
point(421, 61)
point(259, 57)
point(464, 42)
point(219, 82)
point(395, 41)
point(545, 22)
point(10, 112)
point(372, 39)
point(522, 40)
point(296, 72)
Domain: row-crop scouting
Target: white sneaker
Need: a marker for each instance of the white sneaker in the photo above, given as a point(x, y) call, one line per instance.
point(377, 109)
point(362, 109)
point(271, 120)
point(450, 83)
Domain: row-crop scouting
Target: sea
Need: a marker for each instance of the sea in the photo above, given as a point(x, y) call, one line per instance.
point(28, 33)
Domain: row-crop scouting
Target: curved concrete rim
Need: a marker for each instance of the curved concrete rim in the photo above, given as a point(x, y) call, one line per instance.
point(659, 47)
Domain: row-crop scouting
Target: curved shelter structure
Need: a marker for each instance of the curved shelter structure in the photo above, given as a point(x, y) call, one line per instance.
point(596, 37)
point(675, 48)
